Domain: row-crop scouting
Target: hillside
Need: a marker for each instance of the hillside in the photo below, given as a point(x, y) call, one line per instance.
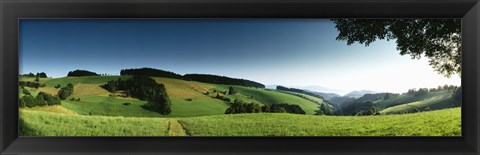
point(37, 123)
point(359, 93)
point(188, 97)
point(409, 103)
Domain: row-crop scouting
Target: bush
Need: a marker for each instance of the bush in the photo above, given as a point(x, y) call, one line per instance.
point(65, 92)
point(29, 101)
point(40, 100)
point(143, 88)
point(26, 92)
point(126, 103)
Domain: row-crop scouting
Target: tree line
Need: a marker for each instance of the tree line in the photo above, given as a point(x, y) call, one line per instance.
point(239, 106)
point(40, 75)
point(143, 88)
point(207, 78)
point(150, 72)
point(216, 79)
point(42, 99)
point(77, 73)
point(325, 110)
point(30, 84)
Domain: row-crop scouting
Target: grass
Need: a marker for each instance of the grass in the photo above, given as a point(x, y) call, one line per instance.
point(405, 98)
point(270, 97)
point(38, 123)
point(53, 109)
point(82, 90)
point(445, 122)
point(433, 102)
point(84, 79)
point(188, 99)
point(109, 106)
point(32, 79)
point(435, 123)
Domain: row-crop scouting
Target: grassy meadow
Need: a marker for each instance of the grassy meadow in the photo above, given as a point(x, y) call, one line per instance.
point(95, 111)
point(433, 123)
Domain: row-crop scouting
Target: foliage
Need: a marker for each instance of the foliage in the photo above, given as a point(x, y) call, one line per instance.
point(239, 106)
point(458, 94)
point(66, 91)
point(26, 92)
point(216, 79)
point(30, 84)
point(437, 39)
point(40, 75)
point(230, 91)
point(324, 110)
point(150, 72)
point(42, 99)
point(77, 73)
point(58, 86)
point(143, 88)
point(28, 101)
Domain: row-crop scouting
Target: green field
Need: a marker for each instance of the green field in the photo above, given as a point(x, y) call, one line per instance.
point(37, 123)
point(410, 103)
point(196, 112)
point(434, 123)
point(187, 97)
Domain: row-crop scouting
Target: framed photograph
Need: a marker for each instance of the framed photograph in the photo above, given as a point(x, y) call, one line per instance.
point(240, 77)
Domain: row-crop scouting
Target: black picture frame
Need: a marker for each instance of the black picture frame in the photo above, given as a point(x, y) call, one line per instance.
point(12, 10)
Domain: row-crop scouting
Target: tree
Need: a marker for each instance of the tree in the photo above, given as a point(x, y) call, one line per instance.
point(321, 110)
point(22, 103)
point(29, 101)
point(40, 100)
point(65, 92)
point(231, 91)
point(37, 79)
point(437, 39)
point(26, 92)
point(421, 92)
point(458, 94)
point(81, 73)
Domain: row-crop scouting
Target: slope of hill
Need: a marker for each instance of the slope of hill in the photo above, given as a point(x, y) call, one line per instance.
point(35, 123)
point(326, 96)
point(188, 97)
point(359, 93)
point(431, 101)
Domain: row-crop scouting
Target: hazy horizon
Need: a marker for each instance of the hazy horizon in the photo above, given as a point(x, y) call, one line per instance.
point(288, 52)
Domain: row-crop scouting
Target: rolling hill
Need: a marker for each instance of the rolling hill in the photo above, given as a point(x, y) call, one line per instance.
point(188, 97)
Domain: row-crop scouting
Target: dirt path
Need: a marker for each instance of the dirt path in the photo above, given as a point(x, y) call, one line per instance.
point(175, 128)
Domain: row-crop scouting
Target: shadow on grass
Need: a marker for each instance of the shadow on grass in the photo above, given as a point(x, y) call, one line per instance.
point(25, 129)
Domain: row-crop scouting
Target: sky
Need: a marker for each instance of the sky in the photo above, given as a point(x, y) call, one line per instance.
point(288, 52)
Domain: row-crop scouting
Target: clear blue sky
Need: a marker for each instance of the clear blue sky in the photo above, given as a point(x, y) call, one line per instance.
point(290, 52)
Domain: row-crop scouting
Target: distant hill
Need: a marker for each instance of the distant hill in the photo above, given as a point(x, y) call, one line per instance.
point(340, 100)
point(326, 96)
point(360, 93)
point(323, 89)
